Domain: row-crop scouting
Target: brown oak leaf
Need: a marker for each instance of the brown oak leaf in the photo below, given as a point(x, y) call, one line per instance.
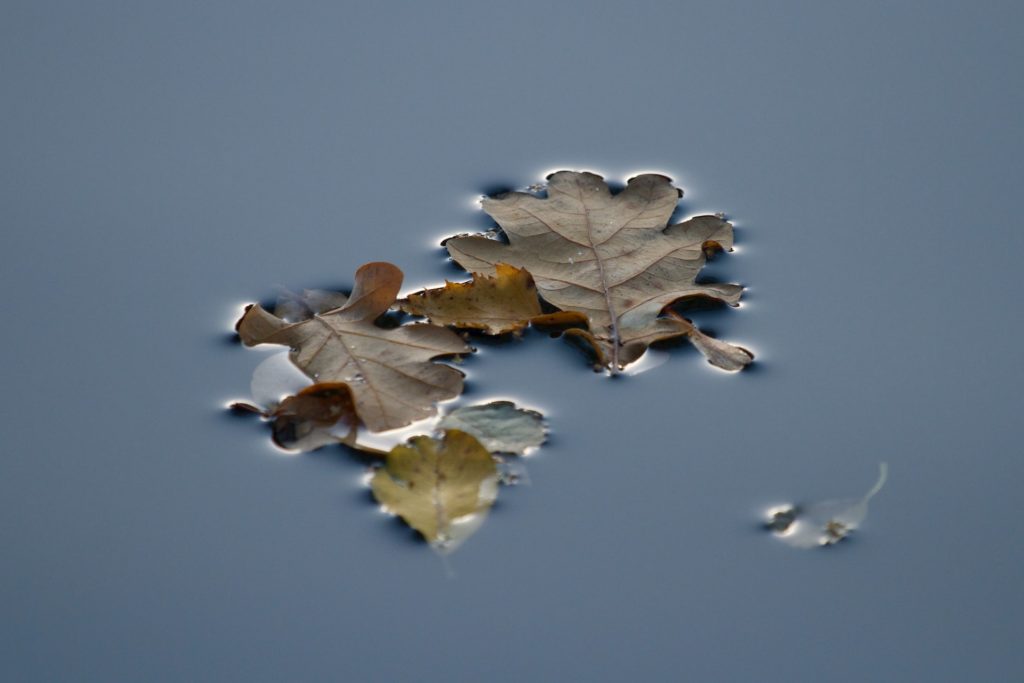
point(610, 257)
point(389, 371)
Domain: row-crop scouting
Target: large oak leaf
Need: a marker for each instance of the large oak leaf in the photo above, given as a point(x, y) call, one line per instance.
point(389, 371)
point(610, 257)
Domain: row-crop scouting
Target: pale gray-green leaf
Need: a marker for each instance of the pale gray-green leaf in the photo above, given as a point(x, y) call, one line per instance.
point(500, 426)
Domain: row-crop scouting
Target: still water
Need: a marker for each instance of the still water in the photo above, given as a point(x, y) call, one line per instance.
point(164, 165)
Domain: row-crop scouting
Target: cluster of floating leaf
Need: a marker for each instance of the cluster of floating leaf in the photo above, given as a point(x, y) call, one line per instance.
point(600, 268)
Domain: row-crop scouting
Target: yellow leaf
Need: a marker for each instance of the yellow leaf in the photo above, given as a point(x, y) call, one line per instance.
point(499, 303)
point(443, 488)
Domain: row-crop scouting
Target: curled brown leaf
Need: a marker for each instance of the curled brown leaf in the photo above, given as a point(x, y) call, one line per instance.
point(499, 303)
point(305, 421)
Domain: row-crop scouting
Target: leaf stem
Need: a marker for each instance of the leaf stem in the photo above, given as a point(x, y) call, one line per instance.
point(883, 475)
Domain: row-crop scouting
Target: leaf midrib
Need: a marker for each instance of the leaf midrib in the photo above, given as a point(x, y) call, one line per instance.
point(604, 286)
point(358, 364)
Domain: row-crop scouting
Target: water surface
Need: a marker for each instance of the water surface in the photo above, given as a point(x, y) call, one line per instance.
point(164, 165)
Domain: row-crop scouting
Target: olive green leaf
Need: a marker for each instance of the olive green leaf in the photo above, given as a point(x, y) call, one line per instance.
point(443, 488)
point(609, 257)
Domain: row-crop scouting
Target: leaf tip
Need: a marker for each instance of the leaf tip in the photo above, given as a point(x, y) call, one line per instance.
point(245, 311)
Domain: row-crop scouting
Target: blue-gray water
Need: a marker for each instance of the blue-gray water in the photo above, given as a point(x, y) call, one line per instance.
point(164, 163)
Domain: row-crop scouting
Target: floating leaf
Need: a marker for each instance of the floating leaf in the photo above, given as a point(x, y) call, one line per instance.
point(504, 302)
point(304, 422)
point(825, 522)
point(443, 488)
point(609, 257)
point(389, 371)
point(304, 416)
point(500, 426)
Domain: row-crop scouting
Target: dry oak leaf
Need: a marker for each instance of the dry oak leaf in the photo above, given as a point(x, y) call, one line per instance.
point(443, 488)
point(608, 257)
point(389, 371)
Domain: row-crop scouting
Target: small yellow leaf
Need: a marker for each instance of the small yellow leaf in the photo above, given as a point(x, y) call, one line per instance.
point(499, 303)
point(443, 488)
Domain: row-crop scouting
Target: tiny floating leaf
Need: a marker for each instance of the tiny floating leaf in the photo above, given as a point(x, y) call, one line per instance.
point(823, 523)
